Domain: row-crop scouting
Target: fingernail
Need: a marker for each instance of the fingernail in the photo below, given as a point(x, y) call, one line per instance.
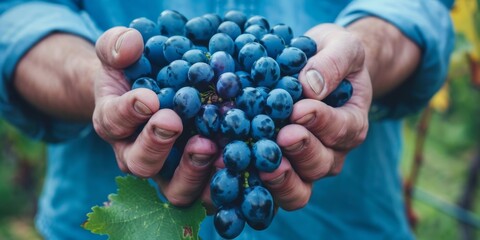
point(295, 147)
point(163, 134)
point(200, 160)
point(277, 180)
point(141, 108)
point(315, 81)
point(305, 120)
point(119, 41)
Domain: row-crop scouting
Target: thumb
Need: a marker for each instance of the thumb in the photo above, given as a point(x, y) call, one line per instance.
point(119, 47)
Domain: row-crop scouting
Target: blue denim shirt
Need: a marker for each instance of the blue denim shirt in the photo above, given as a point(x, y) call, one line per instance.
point(363, 202)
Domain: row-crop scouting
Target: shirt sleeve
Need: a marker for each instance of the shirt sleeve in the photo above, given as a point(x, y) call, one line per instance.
point(428, 24)
point(22, 25)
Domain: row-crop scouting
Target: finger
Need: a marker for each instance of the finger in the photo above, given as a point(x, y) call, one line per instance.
point(145, 156)
point(288, 190)
point(119, 47)
point(342, 128)
point(117, 117)
point(309, 157)
point(207, 200)
point(193, 172)
point(339, 55)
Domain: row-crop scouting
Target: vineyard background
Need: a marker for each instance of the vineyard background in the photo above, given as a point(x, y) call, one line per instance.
point(446, 179)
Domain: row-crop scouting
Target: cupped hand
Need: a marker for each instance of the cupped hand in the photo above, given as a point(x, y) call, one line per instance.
point(120, 113)
point(316, 144)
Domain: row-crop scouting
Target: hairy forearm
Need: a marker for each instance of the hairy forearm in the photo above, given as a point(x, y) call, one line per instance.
point(390, 56)
point(56, 77)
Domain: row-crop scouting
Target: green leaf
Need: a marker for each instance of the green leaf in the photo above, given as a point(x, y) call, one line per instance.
point(136, 212)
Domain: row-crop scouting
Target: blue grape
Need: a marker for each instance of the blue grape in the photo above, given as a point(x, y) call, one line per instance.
point(245, 79)
point(214, 19)
point(222, 62)
point(224, 187)
point(165, 97)
point(228, 85)
point(253, 178)
point(257, 20)
point(257, 207)
point(225, 106)
point(279, 104)
point(199, 30)
point(146, 27)
point(171, 23)
point(273, 44)
point(263, 91)
point(267, 155)
point(340, 95)
point(262, 127)
point(292, 86)
point(193, 56)
point(235, 124)
point(265, 72)
point(228, 222)
point(187, 102)
point(257, 30)
point(243, 39)
point(291, 60)
point(171, 163)
point(221, 42)
point(230, 28)
point(236, 156)
point(306, 44)
point(140, 68)
point(250, 53)
point(207, 120)
point(154, 50)
point(175, 47)
point(284, 31)
point(237, 17)
point(251, 101)
point(146, 82)
point(200, 75)
point(175, 75)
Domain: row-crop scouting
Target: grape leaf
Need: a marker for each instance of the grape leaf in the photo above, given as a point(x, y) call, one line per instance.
point(136, 212)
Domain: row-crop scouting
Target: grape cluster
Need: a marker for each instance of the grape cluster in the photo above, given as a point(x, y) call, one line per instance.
point(233, 80)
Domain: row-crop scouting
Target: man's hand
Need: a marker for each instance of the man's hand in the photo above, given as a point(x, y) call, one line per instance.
point(119, 113)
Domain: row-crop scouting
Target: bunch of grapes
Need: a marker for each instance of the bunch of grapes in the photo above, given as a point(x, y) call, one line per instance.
point(232, 80)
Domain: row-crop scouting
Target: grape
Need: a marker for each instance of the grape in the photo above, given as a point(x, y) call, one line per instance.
point(267, 155)
point(146, 27)
point(237, 17)
point(340, 95)
point(284, 31)
point(306, 44)
point(194, 56)
point(146, 82)
point(279, 104)
point(234, 81)
point(140, 68)
point(207, 120)
point(224, 187)
point(257, 207)
point(171, 23)
point(273, 44)
point(230, 28)
point(175, 47)
point(228, 222)
point(250, 53)
point(154, 50)
point(221, 42)
point(186, 102)
point(291, 60)
point(165, 97)
point(265, 72)
point(262, 127)
point(236, 156)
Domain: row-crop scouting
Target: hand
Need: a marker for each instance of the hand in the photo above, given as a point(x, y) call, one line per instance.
point(316, 144)
point(119, 112)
